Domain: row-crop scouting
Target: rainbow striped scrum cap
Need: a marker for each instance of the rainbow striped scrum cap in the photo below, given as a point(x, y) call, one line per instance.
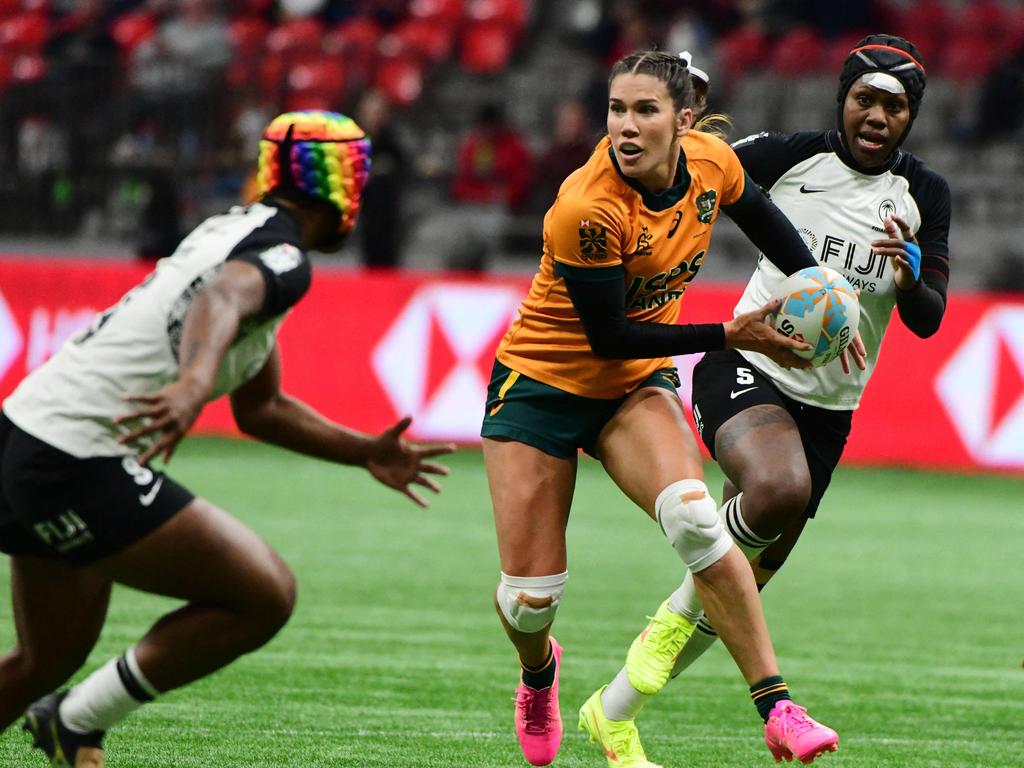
point(322, 154)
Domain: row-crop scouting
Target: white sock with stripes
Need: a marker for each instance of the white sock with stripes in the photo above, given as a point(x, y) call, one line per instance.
point(107, 695)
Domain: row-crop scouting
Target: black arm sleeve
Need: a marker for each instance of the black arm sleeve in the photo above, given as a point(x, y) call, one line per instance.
point(922, 307)
point(768, 228)
point(601, 305)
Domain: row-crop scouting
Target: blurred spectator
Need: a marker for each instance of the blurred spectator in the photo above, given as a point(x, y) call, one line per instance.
point(493, 164)
point(1001, 104)
point(571, 147)
point(378, 230)
point(179, 70)
point(492, 179)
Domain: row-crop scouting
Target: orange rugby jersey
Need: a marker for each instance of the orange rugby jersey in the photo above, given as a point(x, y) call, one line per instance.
point(601, 220)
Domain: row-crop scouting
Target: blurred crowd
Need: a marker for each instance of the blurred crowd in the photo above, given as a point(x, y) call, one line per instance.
point(133, 119)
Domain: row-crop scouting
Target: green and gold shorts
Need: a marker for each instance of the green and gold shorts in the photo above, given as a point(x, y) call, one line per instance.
point(550, 419)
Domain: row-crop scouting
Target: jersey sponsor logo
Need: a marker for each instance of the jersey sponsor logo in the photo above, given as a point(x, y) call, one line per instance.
point(64, 532)
point(706, 206)
point(593, 243)
point(643, 242)
point(843, 255)
point(886, 209)
point(804, 189)
point(645, 292)
point(435, 360)
point(10, 338)
point(180, 307)
point(982, 388)
point(675, 223)
point(281, 258)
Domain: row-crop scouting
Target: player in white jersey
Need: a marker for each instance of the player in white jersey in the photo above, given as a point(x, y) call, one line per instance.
point(81, 507)
point(872, 211)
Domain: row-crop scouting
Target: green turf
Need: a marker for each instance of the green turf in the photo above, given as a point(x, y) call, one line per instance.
point(897, 620)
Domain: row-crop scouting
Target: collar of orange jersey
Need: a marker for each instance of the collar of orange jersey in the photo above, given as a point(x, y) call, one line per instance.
point(658, 201)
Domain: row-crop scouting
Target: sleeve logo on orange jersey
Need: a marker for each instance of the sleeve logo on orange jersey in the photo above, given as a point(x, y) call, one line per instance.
point(593, 242)
point(706, 206)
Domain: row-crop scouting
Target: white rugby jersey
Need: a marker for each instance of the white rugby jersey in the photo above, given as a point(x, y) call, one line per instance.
point(839, 211)
point(70, 400)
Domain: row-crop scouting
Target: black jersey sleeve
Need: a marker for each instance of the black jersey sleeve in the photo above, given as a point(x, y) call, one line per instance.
point(601, 305)
point(767, 156)
point(921, 308)
point(286, 273)
point(275, 249)
point(768, 228)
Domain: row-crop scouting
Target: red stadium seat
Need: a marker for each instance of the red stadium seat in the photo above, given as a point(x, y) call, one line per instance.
point(449, 12)
point(431, 40)
point(798, 53)
point(400, 79)
point(319, 80)
point(132, 29)
point(486, 47)
point(513, 13)
point(355, 41)
point(983, 18)
point(249, 34)
point(296, 36)
point(25, 33)
point(742, 49)
point(967, 59)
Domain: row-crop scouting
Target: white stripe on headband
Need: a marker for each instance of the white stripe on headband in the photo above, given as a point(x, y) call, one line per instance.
point(883, 81)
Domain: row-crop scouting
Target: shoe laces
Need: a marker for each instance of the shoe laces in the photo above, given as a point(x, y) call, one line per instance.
point(797, 721)
point(625, 740)
point(536, 708)
point(664, 637)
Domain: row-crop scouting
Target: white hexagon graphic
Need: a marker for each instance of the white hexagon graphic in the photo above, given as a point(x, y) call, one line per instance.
point(968, 384)
point(470, 317)
point(11, 340)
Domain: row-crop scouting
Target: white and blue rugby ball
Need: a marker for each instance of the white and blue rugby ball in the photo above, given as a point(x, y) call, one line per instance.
point(819, 306)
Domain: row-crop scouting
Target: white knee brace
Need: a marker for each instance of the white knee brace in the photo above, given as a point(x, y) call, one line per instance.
point(689, 518)
point(528, 603)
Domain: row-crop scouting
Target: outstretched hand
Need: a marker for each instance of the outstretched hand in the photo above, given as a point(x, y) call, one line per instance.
point(902, 250)
point(752, 331)
point(165, 415)
point(398, 463)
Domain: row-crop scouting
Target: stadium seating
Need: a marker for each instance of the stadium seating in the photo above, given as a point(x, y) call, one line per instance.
point(486, 47)
point(798, 53)
point(132, 29)
point(24, 33)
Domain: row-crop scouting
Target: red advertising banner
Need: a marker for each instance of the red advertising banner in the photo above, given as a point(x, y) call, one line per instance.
point(366, 348)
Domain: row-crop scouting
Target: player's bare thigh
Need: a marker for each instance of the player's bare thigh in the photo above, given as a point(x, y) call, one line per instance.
point(203, 554)
point(648, 445)
point(531, 492)
point(761, 445)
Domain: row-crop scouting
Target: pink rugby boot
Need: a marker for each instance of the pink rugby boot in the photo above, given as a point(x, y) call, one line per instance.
point(790, 733)
point(538, 720)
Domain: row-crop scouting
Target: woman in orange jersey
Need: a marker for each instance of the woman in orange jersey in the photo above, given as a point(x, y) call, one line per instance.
point(588, 365)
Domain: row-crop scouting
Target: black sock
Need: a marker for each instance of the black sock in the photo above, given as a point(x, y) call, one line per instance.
point(767, 692)
point(543, 676)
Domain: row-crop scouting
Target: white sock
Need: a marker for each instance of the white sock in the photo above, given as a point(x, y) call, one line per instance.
point(107, 695)
point(620, 700)
point(703, 637)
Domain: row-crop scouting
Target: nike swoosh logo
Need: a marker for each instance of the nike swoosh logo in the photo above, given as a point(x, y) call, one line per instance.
point(496, 408)
point(147, 498)
point(806, 191)
point(733, 395)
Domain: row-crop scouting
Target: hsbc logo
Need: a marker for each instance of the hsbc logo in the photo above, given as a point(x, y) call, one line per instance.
point(10, 338)
point(982, 388)
point(434, 362)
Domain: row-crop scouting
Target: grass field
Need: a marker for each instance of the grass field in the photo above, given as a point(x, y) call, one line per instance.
point(898, 621)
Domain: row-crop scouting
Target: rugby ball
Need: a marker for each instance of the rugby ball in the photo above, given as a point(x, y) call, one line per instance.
point(819, 306)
